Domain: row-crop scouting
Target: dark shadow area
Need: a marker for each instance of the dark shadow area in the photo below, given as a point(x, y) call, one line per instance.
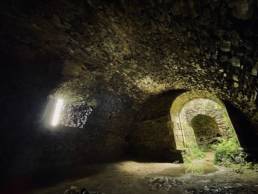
point(24, 183)
point(157, 105)
point(152, 138)
point(206, 130)
point(145, 155)
point(42, 163)
point(26, 85)
point(245, 131)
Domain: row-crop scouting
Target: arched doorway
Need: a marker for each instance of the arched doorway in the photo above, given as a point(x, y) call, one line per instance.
point(206, 130)
point(198, 119)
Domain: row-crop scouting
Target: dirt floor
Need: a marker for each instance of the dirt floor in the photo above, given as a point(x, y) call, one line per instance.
point(130, 177)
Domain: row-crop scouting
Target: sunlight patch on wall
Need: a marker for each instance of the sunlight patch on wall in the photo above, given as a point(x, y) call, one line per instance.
point(148, 85)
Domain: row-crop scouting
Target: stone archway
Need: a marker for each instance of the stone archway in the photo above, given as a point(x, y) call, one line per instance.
point(191, 104)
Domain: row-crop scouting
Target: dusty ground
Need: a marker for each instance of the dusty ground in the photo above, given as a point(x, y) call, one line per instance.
point(131, 177)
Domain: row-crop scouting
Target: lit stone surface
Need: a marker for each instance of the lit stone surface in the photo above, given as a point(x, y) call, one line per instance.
point(76, 115)
point(188, 106)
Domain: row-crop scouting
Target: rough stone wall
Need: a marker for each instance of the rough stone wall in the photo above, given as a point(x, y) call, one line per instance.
point(204, 107)
point(151, 136)
point(146, 47)
point(152, 139)
point(115, 56)
point(75, 115)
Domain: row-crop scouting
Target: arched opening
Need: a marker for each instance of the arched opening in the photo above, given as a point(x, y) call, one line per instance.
point(206, 130)
point(200, 120)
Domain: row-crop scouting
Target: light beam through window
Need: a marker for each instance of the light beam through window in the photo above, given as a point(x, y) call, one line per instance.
point(57, 112)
